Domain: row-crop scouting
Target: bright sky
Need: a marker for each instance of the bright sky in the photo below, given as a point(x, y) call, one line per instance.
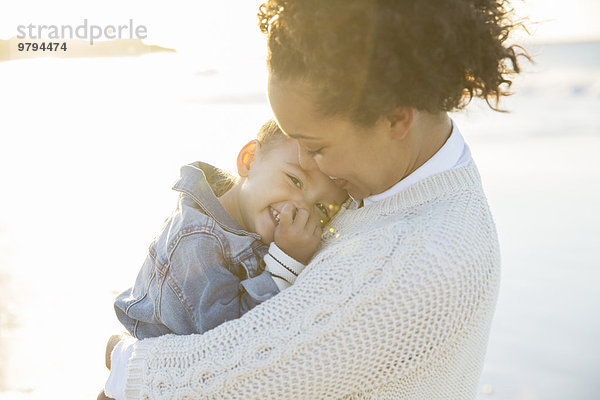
point(170, 22)
point(561, 20)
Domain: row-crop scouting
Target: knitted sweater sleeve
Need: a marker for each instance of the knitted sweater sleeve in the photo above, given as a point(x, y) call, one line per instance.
point(369, 309)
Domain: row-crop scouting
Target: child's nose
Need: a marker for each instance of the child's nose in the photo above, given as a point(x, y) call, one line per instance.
point(302, 202)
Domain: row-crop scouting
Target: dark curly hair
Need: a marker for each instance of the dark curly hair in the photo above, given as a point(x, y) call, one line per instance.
point(365, 57)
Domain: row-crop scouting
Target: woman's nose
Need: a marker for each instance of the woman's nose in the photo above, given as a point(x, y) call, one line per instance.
point(306, 160)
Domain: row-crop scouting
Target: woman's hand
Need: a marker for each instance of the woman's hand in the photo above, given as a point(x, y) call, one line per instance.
point(110, 345)
point(102, 396)
point(119, 350)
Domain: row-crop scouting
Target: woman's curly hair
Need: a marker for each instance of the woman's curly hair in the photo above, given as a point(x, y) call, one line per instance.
point(366, 57)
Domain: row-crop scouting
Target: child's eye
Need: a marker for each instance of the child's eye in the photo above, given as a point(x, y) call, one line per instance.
point(295, 181)
point(323, 210)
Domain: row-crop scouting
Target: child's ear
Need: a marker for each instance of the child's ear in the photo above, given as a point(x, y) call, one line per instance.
point(246, 157)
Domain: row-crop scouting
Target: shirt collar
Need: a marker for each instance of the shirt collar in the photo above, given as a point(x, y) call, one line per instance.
point(203, 183)
point(446, 158)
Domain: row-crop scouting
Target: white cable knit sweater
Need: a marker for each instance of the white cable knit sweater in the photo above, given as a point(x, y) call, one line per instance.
point(396, 305)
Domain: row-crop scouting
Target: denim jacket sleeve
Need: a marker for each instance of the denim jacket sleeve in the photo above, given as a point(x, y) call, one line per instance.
point(194, 293)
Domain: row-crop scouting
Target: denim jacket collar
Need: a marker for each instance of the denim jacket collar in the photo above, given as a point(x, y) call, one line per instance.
point(203, 183)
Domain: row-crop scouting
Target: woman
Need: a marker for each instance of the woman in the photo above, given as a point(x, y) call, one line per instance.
point(398, 302)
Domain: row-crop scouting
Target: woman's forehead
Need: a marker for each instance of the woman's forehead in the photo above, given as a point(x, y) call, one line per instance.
point(295, 110)
point(298, 116)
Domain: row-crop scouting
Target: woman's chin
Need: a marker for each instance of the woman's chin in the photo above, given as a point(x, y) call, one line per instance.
point(355, 192)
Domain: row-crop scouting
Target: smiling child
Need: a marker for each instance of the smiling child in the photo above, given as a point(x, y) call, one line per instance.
point(231, 243)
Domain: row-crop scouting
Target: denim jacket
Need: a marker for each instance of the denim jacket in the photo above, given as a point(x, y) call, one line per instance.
point(202, 270)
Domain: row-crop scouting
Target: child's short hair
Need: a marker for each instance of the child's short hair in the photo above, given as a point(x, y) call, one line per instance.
point(269, 133)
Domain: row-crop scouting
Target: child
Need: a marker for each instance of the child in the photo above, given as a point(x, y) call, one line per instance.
point(211, 263)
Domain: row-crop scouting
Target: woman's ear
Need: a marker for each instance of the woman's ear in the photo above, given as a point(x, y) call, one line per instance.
point(400, 120)
point(246, 157)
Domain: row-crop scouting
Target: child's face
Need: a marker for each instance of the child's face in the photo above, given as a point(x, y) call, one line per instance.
point(275, 178)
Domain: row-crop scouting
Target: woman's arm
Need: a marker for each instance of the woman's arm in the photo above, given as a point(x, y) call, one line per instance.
point(354, 320)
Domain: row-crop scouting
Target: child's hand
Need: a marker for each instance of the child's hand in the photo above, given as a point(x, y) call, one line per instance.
point(298, 233)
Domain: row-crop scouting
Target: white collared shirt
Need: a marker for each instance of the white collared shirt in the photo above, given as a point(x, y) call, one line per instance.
point(453, 154)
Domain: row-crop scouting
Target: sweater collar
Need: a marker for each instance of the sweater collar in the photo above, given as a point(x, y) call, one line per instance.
point(446, 158)
point(465, 178)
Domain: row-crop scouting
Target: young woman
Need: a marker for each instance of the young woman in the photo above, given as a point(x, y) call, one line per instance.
point(398, 302)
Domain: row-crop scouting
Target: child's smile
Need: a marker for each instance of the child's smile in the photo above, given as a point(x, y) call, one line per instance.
point(275, 215)
point(274, 180)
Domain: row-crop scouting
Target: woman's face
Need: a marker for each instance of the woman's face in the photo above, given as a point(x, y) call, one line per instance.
point(363, 161)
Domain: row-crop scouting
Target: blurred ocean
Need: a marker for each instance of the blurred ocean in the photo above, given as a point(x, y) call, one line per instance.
point(91, 147)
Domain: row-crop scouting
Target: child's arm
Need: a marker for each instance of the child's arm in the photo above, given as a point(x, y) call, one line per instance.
point(194, 293)
point(283, 269)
